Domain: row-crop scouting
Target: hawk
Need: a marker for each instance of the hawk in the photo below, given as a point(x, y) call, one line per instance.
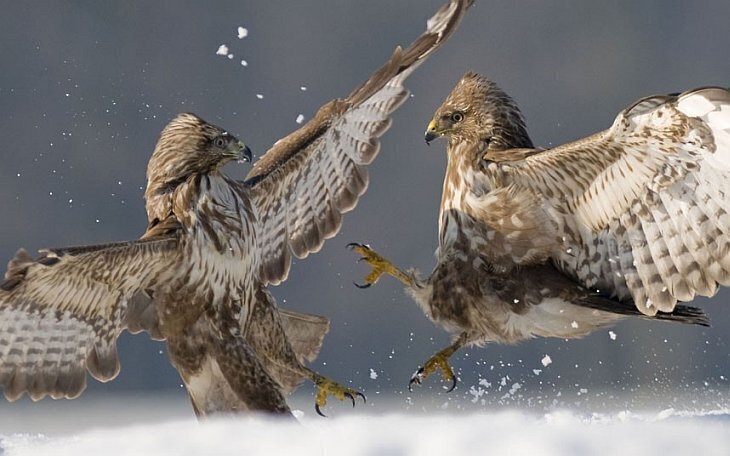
point(631, 221)
point(197, 278)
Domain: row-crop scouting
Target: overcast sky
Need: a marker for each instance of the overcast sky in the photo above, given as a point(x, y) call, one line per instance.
point(87, 86)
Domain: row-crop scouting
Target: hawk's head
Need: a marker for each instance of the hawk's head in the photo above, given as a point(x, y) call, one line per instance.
point(478, 110)
point(189, 145)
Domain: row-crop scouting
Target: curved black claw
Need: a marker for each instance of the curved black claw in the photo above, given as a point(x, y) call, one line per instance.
point(352, 398)
point(319, 412)
point(352, 246)
point(327, 387)
point(417, 378)
point(357, 394)
point(453, 385)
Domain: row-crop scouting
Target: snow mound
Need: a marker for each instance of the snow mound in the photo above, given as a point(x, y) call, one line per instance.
point(559, 433)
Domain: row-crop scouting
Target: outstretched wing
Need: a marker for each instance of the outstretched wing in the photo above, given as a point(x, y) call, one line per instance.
point(641, 210)
point(307, 180)
point(63, 312)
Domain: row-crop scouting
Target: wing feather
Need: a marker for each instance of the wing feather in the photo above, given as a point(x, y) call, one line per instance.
point(668, 249)
point(62, 313)
point(691, 250)
point(646, 202)
point(617, 283)
point(307, 180)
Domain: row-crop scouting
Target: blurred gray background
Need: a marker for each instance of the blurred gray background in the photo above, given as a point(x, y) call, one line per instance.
point(87, 86)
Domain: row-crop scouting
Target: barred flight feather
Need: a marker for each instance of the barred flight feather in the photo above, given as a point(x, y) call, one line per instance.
point(307, 180)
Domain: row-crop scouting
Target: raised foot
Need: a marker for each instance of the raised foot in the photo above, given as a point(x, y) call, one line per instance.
point(327, 387)
point(438, 361)
point(379, 266)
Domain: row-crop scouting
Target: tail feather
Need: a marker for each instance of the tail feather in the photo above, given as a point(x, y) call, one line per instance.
point(305, 333)
point(681, 313)
point(685, 314)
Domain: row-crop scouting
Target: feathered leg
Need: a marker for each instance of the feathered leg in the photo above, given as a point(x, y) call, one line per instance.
point(279, 357)
point(244, 372)
point(222, 373)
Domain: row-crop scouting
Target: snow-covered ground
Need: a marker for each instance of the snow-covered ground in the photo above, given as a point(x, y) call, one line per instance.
point(559, 433)
point(161, 427)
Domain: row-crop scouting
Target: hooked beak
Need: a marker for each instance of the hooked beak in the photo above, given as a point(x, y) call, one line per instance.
point(432, 132)
point(244, 154)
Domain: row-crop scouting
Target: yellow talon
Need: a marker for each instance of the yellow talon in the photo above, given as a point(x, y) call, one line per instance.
point(380, 266)
point(438, 361)
point(327, 387)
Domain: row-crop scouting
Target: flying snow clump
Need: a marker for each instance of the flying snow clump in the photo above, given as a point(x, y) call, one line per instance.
point(546, 360)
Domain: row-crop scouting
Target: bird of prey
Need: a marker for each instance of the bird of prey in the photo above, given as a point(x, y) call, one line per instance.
point(631, 221)
point(197, 277)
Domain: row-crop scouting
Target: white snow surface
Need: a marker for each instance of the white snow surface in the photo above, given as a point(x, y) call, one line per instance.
point(507, 432)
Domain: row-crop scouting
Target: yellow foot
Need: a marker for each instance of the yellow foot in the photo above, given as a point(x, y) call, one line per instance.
point(327, 387)
point(438, 361)
point(379, 264)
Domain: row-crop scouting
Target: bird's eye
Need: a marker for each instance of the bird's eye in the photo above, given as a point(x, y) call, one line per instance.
point(457, 117)
point(219, 142)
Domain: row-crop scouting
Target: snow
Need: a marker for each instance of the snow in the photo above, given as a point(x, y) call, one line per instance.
point(300, 118)
point(222, 50)
point(666, 432)
point(242, 33)
point(546, 360)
